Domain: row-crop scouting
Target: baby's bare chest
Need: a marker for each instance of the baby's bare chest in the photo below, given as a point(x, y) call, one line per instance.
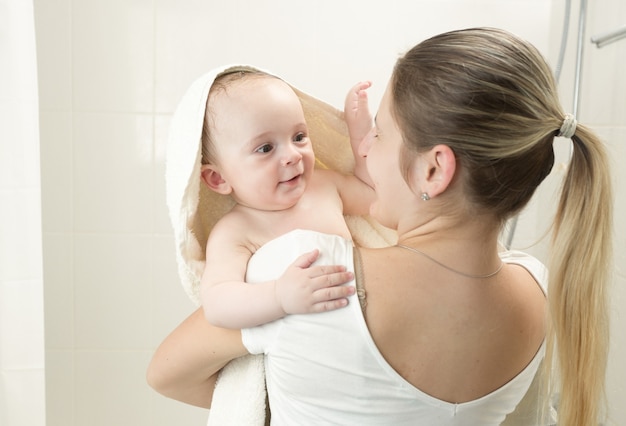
point(319, 211)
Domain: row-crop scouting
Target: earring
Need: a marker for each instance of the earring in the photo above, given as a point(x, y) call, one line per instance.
point(425, 196)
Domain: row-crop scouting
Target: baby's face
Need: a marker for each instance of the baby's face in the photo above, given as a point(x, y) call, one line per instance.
point(262, 143)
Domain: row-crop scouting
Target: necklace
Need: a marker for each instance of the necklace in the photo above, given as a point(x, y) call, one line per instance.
point(449, 268)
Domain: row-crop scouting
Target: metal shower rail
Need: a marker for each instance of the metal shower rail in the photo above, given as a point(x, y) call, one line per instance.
point(602, 40)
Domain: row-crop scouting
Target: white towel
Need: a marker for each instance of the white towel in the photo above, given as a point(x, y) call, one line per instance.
point(239, 397)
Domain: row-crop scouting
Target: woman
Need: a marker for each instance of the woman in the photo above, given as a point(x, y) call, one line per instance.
point(451, 331)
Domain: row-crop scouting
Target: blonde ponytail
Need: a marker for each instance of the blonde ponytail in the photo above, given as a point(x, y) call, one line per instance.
point(580, 268)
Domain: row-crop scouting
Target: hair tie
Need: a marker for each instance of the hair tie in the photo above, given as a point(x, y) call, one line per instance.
point(568, 128)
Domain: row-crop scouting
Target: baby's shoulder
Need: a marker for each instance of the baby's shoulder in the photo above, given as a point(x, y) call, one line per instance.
point(241, 227)
point(325, 175)
point(324, 180)
point(234, 217)
point(230, 228)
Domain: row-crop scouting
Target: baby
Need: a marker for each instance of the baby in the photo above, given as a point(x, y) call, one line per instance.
point(256, 148)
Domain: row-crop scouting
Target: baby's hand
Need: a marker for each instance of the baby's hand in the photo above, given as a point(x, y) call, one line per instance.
point(306, 289)
point(356, 111)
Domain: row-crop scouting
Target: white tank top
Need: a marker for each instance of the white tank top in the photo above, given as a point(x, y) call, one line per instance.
point(324, 369)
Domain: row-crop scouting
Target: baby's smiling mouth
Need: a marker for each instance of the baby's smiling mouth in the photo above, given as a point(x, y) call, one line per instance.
point(292, 180)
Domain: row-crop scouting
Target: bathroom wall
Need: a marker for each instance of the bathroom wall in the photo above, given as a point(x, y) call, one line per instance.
point(22, 353)
point(603, 105)
point(110, 75)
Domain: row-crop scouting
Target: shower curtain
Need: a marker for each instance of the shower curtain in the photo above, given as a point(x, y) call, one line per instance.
point(22, 371)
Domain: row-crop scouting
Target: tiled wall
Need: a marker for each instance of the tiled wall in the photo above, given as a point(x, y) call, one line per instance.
point(110, 76)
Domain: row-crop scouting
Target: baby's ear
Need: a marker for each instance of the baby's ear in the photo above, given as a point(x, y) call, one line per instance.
point(214, 180)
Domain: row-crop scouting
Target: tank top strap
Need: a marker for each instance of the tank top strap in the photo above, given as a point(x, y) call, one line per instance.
point(360, 281)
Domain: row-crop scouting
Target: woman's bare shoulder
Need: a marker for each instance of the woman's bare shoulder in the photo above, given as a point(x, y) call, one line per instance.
point(434, 332)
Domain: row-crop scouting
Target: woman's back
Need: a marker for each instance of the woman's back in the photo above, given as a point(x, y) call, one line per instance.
point(331, 369)
point(455, 338)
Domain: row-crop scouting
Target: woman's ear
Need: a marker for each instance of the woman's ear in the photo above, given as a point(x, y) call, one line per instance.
point(214, 180)
point(440, 162)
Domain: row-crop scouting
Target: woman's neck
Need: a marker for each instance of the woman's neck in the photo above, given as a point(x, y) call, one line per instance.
point(464, 244)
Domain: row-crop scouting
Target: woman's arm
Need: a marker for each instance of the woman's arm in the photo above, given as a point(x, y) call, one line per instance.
point(185, 365)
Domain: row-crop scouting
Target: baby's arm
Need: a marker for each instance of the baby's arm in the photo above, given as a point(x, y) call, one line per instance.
point(230, 302)
point(359, 120)
point(355, 189)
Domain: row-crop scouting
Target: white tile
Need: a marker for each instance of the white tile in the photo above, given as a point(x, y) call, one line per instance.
point(111, 388)
point(616, 370)
point(603, 92)
point(112, 287)
point(113, 172)
point(59, 388)
point(58, 291)
point(113, 55)
point(162, 224)
point(56, 170)
point(54, 61)
point(190, 41)
point(354, 43)
point(171, 305)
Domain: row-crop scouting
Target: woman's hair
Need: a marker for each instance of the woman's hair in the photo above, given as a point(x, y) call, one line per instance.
point(492, 99)
point(223, 81)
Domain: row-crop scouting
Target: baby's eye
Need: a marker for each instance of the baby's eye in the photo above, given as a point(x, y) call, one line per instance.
point(265, 148)
point(300, 137)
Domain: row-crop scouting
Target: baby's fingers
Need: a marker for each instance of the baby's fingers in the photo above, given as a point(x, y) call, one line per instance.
point(329, 276)
point(331, 298)
point(357, 97)
point(329, 305)
point(360, 86)
point(306, 260)
point(330, 293)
